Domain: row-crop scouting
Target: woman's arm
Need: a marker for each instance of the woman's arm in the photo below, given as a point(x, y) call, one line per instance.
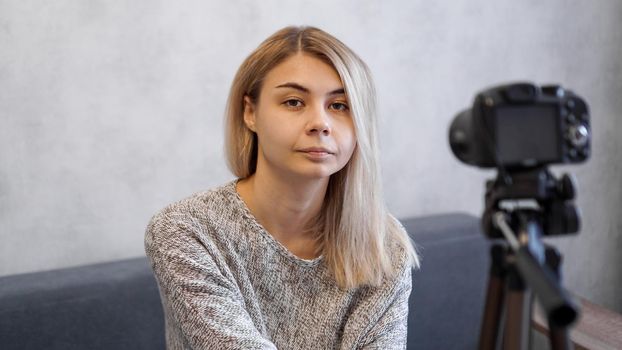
point(206, 305)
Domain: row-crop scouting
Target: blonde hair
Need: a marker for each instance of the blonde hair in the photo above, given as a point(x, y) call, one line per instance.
point(354, 230)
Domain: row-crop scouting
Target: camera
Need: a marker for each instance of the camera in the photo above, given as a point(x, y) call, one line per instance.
point(522, 125)
point(520, 129)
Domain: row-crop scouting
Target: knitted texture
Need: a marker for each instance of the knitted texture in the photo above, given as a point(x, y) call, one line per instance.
point(226, 283)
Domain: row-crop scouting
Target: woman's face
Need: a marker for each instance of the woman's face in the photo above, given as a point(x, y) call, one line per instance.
point(302, 120)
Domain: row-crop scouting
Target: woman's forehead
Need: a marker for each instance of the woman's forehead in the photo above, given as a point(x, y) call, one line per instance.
point(304, 71)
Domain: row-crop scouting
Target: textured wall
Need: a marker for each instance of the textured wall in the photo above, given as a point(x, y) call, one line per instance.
point(111, 110)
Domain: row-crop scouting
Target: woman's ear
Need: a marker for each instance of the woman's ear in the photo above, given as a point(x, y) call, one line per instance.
point(249, 113)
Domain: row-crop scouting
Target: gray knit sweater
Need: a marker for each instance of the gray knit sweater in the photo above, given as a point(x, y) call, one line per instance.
point(226, 283)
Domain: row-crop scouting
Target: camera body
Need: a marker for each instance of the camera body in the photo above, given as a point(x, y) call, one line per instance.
point(522, 126)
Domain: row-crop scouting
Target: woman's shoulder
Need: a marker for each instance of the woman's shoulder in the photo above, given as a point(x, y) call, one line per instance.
point(199, 208)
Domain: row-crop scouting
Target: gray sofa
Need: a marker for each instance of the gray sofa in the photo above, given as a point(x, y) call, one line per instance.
point(116, 305)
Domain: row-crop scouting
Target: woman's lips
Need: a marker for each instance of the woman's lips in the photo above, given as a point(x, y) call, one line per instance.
point(316, 149)
point(316, 153)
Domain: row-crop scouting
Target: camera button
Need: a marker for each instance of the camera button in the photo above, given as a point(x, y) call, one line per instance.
point(563, 111)
point(553, 90)
point(578, 135)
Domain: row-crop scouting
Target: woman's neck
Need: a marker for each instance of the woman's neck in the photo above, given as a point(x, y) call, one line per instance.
point(284, 207)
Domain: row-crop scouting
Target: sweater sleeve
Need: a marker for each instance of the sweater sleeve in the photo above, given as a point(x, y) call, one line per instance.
point(207, 306)
point(390, 331)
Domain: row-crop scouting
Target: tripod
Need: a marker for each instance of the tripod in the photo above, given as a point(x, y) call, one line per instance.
point(523, 266)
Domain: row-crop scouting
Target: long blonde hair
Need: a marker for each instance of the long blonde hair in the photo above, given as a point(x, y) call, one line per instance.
point(354, 230)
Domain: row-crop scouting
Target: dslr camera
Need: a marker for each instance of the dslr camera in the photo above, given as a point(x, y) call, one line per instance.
point(522, 126)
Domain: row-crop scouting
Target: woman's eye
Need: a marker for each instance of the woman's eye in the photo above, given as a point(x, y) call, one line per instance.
point(339, 106)
point(293, 103)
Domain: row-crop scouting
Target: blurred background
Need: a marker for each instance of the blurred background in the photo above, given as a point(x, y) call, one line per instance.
point(111, 110)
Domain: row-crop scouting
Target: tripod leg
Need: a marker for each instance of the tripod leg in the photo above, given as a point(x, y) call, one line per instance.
point(518, 306)
point(494, 299)
point(517, 320)
point(558, 337)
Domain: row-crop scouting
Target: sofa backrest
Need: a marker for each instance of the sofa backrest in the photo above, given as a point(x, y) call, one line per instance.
point(447, 300)
point(104, 306)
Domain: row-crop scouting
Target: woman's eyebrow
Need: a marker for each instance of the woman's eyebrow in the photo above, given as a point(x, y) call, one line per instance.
point(301, 88)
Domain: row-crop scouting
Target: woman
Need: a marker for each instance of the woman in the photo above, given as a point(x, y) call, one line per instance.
point(299, 252)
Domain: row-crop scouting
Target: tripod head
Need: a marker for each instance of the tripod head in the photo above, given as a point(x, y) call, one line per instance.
point(554, 208)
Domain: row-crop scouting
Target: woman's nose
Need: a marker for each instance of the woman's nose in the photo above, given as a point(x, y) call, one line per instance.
point(319, 122)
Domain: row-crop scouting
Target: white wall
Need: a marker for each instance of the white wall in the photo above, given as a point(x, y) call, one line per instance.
point(111, 110)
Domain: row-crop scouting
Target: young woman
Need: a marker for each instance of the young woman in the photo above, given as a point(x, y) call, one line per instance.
point(299, 251)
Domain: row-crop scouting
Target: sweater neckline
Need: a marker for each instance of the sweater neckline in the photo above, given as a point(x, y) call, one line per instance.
point(231, 187)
